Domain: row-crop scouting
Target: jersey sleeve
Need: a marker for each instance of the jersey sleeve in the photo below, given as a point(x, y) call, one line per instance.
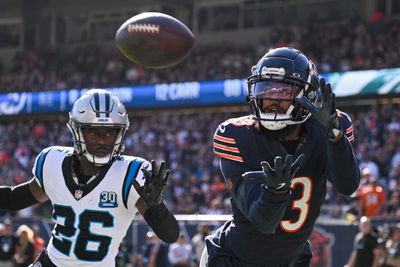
point(341, 164)
point(346, 125)
point(134, 172)
point(224, 144)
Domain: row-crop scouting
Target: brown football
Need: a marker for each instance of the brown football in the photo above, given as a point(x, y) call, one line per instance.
point(154, 40)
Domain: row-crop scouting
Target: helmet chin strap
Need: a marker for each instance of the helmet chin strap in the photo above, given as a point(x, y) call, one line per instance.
point(277, 121)
point(273, 125)
point(98, 161)
point(274, 121)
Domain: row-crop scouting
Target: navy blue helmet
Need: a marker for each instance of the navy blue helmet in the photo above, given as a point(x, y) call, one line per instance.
point(282, 74)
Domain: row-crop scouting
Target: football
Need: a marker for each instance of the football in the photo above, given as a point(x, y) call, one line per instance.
point(154, 40)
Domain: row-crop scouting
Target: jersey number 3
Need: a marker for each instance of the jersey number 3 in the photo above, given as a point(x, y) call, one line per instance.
point(302, 204)
point(63, 232)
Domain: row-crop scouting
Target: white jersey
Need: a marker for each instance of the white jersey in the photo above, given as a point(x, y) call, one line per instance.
point(90, 221)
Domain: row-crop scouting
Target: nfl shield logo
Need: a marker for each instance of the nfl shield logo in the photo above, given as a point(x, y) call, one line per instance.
point(78, 194)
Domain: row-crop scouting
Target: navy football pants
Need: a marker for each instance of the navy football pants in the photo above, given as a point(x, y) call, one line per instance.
point(303, 260)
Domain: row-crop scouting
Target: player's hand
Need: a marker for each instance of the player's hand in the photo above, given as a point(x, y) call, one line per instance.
point(152, 190)
point(326, 114)
point(278, 178)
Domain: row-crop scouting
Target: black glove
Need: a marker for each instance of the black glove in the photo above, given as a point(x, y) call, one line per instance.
point(278, 178)
point(152, 190)
point(326, 114)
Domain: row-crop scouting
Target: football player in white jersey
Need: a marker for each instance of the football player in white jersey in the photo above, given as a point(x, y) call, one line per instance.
point(90, 187)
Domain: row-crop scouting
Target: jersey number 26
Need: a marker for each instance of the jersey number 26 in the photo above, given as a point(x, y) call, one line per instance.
point(64, 232)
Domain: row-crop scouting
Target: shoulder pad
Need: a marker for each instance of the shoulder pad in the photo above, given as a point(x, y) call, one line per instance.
point(228, 135)
point(63, 149)
point(127, 158)
point(37, 169)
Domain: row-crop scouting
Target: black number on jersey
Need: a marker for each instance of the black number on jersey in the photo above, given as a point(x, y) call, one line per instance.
point(67, 230)
point(62, 232)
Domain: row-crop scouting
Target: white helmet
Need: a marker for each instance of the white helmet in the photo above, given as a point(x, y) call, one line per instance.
point(98, 108)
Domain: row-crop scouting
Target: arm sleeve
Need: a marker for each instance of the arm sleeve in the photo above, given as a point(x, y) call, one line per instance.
point(163, 223)
point(262, 208)
point(342, 167)
point(17, 197)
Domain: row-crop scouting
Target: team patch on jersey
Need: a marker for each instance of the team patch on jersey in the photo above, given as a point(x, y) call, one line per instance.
point(108, 200)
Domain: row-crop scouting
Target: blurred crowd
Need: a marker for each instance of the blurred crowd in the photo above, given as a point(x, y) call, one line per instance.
point(351, 44)
point(184, 139)
point(18, 247)
point(375, 245)
point(185, 252)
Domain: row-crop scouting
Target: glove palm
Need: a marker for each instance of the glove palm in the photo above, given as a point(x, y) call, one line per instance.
point(152, 190)
point(278, 178)
point(326, 114)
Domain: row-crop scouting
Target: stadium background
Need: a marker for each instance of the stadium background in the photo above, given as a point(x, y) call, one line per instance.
point(51, 50)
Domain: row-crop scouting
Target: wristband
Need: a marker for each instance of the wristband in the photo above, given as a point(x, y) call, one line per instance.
point(163, 223)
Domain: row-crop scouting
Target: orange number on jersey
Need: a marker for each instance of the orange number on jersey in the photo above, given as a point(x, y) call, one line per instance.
point(300, 204)
point(242, 121)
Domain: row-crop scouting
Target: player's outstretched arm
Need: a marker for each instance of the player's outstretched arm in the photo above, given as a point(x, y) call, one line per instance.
point(263, 208)
point(341, 165)
point(277, 179)
point(325, 114)
point(21, 196)
point(267, 211)
point(151, 204)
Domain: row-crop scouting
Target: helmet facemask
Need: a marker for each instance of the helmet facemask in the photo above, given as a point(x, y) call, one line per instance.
point(98, 108)
point(81, 147)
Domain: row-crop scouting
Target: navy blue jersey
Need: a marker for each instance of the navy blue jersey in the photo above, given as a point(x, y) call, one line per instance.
point(242, 148)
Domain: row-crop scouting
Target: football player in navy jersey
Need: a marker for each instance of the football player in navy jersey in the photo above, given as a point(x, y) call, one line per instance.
point(95, 190)
point(276, 163)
